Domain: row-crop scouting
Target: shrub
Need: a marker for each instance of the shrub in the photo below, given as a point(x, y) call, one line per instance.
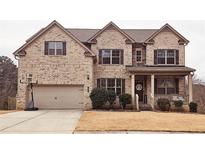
point(98, 97)
point(125, 99)
point(193, 107)
point(178, 103)
point(163, 104)
point(111, 97)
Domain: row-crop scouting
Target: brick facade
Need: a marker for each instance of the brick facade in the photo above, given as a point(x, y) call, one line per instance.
point(71, 69)
point(75, 67)
point(165, 40)
point(113, 39)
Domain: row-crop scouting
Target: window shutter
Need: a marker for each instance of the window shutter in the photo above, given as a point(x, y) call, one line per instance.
point(100, 56)
point(155, 86)
point(177, 57)
point(155, 57)
point(122, 56)
point(98, 83)
point(177, 85)
point(123, 86)
point(46, 48)
point(64, 48)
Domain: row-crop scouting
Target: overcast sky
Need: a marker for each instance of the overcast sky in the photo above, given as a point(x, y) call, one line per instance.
point(13, 34)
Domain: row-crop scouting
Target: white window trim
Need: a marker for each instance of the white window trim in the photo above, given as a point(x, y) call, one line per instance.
point(116, 56)
point(166, 87)
point(55, 49)
point(138, 49)
point(106, 83)
point(111, 56)
point(166, 56)
point(172, 57)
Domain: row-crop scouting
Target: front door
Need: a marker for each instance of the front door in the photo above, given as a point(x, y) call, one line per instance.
point(139, 89)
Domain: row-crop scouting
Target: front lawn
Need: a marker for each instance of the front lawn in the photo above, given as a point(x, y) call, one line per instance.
point(141, 121)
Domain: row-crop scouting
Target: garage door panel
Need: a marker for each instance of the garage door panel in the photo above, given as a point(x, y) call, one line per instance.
point(58, 97)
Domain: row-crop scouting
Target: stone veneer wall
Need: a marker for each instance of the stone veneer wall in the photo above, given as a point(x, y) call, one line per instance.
point(112, 39)
point(165, 40)
point(71, 69)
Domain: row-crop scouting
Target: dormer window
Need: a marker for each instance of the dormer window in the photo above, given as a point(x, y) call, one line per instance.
point(55, 48)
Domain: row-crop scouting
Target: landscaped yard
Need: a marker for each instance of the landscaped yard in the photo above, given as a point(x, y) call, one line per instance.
point(141, 121)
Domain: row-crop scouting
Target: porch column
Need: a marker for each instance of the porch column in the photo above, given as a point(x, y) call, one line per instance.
point(133, 89)
point(152, 91)
point(190, 88)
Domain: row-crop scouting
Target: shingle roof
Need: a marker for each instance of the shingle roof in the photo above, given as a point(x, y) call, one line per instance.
point(139, 35)
point(160, 69)
point(83, 34)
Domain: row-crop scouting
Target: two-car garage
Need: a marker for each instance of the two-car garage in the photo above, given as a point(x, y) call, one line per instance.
point(58, 97)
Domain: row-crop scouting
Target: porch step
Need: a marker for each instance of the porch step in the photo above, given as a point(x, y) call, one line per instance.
point(145, 107)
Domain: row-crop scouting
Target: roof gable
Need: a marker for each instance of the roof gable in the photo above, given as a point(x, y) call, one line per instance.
point(165, 28)
point(20, 51)
point(110, 25)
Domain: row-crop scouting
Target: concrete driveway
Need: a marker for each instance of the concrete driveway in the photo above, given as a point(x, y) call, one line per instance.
point(42, 121)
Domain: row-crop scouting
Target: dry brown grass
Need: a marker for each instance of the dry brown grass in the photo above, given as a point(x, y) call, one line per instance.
point(141, 121)
point(6, 111)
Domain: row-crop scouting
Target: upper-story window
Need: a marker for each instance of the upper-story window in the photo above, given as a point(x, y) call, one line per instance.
point(111, 56)
point(166, 57)
point(55, 48)
point(138, 56)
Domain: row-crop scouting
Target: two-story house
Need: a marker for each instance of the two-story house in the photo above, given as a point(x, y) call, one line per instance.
point(66, 64)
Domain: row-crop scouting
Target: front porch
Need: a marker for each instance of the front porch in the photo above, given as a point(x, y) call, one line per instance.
point(150, 83)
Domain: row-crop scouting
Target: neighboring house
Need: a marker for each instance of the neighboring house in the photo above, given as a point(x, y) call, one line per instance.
point(67, 64)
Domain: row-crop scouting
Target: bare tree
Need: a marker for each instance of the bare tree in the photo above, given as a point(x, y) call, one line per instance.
point(197, 80)
point(198, 93)
point(8, 78)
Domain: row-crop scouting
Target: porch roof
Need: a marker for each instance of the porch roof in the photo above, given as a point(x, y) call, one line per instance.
point(160, 69)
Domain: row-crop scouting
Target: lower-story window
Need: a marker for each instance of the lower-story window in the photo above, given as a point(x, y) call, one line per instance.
point(166, 86)
point(114, 84)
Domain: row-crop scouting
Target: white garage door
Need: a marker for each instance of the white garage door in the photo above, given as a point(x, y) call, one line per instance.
point(58, 97)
